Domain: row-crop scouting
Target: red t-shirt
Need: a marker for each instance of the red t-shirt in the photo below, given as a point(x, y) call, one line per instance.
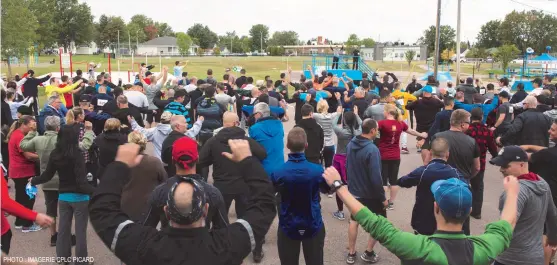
point(68, 97)
point(390, 131)
point(20, 166)
point(11, 207)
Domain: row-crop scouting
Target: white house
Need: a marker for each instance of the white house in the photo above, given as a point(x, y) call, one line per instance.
point(86, 49)
point(165, 46)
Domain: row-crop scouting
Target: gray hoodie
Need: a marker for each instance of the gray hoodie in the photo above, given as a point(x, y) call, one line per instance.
point(155, 135)
point(535, 208)
point(344, 135)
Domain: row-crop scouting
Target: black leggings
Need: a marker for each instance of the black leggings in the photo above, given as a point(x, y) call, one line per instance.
point(6, 241)
point(328, 153)
point(389, 171)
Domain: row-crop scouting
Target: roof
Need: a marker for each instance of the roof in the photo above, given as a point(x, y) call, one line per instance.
point(161, 41)
point(545, 57)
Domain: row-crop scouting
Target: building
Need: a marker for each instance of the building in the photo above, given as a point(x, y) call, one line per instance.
point(166, 46)
point(391, 52)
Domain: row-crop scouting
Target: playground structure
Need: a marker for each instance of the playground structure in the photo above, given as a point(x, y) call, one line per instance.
point(443, 73)
point(325, 62)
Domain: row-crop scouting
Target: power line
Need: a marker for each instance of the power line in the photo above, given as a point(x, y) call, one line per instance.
point(530, 6)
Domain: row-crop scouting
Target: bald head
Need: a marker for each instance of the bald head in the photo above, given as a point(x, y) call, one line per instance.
point(530, 102)
point(440, 148)
point(230, 119)
point(178, 123)
point(182, 197)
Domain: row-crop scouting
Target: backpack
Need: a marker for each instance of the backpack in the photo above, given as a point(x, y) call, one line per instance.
point(212, 112)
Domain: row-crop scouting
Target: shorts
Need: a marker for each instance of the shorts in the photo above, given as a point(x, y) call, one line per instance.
point(51, 202)
point(389, 171)
point(426, 145)
point(374, 205)
point(156, 116)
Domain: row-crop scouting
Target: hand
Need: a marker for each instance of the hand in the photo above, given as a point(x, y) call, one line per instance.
point(240, 150)
point(498, 140)
point(339, 109)
point(330, 175)
point(346, 93)
point(424, 135)
point(420, 143)
point(343, 74)
point(337, 95)
point(44, 220)
point(88, 126)
point(386, 203)
point(165, 68)
point(356, 110)
point(91, 108)
point(289, 69)
point(308, 67)
point(201, 118)
point(130, 118)
point(511, 185)
point(492, 128)
point(129, 154)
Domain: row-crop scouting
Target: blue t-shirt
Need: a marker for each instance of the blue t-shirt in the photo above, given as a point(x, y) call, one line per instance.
point(178, 71)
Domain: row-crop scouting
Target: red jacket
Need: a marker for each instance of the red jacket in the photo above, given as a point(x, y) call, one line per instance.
point(12, 207)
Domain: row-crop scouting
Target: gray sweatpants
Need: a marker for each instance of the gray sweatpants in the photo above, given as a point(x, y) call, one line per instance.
point(67, 212)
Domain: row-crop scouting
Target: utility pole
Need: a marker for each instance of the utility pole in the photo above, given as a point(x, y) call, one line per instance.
point(261, 34)
point(437, 32)
point(129, 43)
point(118, 43)
point(458, 41)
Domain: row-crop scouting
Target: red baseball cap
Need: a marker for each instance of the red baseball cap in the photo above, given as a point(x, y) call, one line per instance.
point(184, 151)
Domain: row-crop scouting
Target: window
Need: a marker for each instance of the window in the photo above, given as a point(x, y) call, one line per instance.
point(396, 55)
point(169, 49)
point(418, 55)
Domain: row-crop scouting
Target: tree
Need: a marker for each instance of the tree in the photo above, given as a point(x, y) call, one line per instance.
point(18, 29)
point(352, 43)
point(184, 43)
point(446, 38)
point(477, 52)
point(368, 42)
point(109, 34)
point(282, 38)
point(74, 22)
point(164, 29)
point(259, 35)
point(409, 55)
point(488, 37)
point(151, 31)
point(529, 29)
point(204, 36)
point(231, 41)
point(46, 31)
point(245, 43)
point(447, 55)
point(99, 38)
point(506, 54)
point(137, 26)
point(216, 51)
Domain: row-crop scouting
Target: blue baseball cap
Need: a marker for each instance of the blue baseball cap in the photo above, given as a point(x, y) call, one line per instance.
point(427, 89)
point(453, 197)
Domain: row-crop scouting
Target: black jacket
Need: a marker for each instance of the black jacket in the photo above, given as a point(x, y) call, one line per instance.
point(135, 243)
point(529, 128)
point(519, 96)
point(30, 87)
point(217, 214)
point(469, 92)
point(316, 139)
point(72, 174)
point(227, 174)
point(6, 114)
point(166, 152)
point(425, 110)
point(107, 144)
point(413, 87)
point(122, 115)
point(388, 85)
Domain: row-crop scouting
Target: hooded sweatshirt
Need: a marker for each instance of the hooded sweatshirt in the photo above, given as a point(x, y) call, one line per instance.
point(315, 138)
point(227, 174)
point(155, 135)
point(326, 122)
point(344, 134)
point(269, 132)
point(363, 169)
point(108, 143)
point(535, 208)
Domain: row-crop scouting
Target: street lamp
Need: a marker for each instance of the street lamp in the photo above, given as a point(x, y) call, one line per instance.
point(524, 39)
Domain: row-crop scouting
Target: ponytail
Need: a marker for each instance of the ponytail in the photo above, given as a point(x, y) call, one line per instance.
point(394, 111)
point(73, 114)
point(14, 127)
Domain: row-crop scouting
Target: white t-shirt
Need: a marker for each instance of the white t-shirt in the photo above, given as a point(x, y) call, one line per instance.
point(137, 98)
point(249, 87)
point(189, 88)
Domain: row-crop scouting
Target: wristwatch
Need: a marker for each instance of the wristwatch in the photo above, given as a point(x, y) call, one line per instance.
point(336, 185)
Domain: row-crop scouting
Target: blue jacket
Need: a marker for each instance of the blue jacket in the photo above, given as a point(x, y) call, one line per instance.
point(49, 111)
point(275, 111)
point(487, 108)
point(423, 220)
point(363, 169)
point(269, 132)
point(299, 182)
point(178, 108)
point(441, 123)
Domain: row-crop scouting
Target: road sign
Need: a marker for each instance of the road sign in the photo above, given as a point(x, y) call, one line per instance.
point(65, 57)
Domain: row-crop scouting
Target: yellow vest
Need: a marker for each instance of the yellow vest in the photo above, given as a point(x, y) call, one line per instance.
point(403, 98)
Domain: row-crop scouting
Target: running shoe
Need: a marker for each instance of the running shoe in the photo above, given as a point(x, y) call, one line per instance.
point(33, 228)
point(370, 257)
point(390, 206)
point(404, 150)
point(351, 258)
point(258, 256)
point(419, 150)
point(339, 215)
point(330, 195)
point(18, 227)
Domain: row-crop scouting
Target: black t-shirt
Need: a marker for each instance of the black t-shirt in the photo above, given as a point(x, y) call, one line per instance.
point(362, 105)
point(544, 164)
point(276, 95)
point(241, 81)
point(506, 109)
point(462, 151)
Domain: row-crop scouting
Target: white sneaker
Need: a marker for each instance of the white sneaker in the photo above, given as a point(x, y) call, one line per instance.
point(33, 228)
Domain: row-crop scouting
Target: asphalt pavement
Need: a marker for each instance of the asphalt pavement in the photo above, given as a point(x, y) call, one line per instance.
point(36, 244)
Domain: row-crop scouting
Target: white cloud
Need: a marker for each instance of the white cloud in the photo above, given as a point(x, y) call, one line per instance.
point(391, 20)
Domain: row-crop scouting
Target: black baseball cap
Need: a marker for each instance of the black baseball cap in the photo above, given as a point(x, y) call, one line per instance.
point(148, 73)
point(85, 98)
point(508, 154)
point(25, 110)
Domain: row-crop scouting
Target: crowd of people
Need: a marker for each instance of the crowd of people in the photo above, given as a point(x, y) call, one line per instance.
point(86, 148)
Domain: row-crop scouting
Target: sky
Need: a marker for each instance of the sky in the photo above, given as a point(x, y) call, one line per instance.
point(382, 20)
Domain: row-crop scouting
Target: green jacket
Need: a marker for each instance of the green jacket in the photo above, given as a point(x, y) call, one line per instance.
point(44, 145)
point(442, 248)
